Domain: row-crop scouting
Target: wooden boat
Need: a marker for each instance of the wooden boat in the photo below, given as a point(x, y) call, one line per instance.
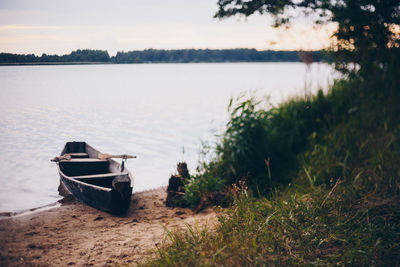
point(94, 178)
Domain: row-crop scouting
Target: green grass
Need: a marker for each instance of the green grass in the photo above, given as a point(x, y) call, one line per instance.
point(315, 181)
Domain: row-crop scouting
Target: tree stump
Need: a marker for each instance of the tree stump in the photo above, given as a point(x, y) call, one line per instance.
point(176, 187)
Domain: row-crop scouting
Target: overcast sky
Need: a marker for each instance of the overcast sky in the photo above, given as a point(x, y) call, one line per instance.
point(58, 27)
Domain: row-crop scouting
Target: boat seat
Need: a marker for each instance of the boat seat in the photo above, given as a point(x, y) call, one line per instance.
point(83, 160)
point(103, 180)
point(102, 175)
point(78, 155)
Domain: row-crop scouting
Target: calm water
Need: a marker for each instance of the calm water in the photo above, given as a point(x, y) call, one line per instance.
point(151, 110)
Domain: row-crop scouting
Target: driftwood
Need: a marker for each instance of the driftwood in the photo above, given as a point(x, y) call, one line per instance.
point(176, 187)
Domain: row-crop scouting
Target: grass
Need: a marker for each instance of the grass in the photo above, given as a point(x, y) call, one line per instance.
point(315, 181)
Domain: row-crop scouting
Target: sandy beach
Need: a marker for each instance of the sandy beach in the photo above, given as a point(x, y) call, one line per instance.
point(76, 234)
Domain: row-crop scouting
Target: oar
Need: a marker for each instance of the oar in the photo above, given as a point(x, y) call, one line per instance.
point(124, 157)
point(108, 156)
point(65, 157)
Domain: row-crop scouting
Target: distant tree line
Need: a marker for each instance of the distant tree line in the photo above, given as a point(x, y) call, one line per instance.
point(209, 55)
point(163, 56)
point(85, 55)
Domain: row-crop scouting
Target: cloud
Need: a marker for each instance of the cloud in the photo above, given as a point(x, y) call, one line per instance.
point(16, 28)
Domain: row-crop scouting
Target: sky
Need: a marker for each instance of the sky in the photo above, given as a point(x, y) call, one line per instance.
point(59, 27)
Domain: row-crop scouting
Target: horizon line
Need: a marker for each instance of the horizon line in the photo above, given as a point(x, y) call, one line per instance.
point(162, 49)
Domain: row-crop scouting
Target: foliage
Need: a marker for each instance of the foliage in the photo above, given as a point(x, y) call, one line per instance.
point(336, 226)
point(209, 55)
point(85, 55)
point(197, 191)
point(261, 146)
point(339, 152)
point(367, 33)
point(341, 208)
point(157, 56)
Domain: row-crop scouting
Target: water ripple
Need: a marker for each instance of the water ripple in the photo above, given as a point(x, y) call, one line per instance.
point(152, 111)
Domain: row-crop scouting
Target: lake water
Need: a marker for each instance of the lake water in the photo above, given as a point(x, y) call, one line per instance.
point(153, 111)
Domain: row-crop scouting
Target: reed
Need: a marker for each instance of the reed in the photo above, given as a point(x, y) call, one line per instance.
point(262, 144)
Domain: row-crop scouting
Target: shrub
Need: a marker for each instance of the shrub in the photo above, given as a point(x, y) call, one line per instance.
point(204, 190)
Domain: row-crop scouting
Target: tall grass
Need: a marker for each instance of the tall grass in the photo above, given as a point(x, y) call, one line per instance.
point(262, 146)
point(338, 155)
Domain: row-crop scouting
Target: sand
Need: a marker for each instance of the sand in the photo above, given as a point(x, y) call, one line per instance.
point(76, 234)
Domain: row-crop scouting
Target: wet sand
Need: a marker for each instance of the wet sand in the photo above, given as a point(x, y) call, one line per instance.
point(76, 234)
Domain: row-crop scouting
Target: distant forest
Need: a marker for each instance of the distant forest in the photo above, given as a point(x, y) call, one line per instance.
point(161, 56)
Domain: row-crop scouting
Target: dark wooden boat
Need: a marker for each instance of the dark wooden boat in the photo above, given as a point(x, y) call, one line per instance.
point(95, 178)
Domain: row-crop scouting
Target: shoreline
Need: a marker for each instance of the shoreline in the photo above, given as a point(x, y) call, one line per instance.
point(12, 214)
point(77, 234)
point(53, 63)
point(144, 63)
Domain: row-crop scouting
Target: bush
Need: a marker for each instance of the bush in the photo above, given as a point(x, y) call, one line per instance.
point(198, 191)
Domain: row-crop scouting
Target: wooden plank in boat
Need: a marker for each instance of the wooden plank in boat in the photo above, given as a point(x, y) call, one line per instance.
point(79, 155)
point(103, 175)
point(83, 160)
